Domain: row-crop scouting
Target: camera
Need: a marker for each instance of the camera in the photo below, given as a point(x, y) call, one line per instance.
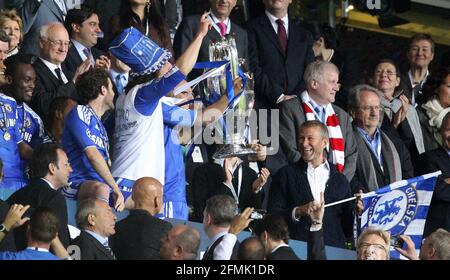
point(258, 214)
point(397, 242)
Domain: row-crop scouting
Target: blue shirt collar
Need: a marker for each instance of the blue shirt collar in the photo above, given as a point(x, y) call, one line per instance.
point(101, 239)
point(366, 135)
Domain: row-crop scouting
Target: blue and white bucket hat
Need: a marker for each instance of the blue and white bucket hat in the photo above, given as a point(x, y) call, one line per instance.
point(140, 53)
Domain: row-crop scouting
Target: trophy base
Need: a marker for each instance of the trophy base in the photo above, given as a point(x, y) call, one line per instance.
point(233, 150)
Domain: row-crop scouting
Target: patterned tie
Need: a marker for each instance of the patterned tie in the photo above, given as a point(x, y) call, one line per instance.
point(109, 250)
point(282, 35)
point(223, 28)
point(88, 54)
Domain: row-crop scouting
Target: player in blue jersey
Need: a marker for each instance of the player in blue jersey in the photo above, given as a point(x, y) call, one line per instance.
point(175, 117)
point(22, 78)
point(12, 148)
point(86, 143)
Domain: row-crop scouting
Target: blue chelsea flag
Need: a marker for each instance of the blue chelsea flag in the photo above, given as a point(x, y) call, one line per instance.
point(400, 208)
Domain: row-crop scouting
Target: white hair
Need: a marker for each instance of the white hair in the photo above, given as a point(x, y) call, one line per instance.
point(43, 31)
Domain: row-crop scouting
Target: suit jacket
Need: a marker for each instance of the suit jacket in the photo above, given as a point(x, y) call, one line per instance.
point(37, 194)
point(138, 236)
point(292, 116)
point(188, 29)
point(48, 87)
point(35, 14)
point(7, 244)
point(209, 254)
point(277, 73)
point(439, 211)
point(290, 188)
point(90, 248)
point(367, 180)
point(283, 253)
point(208, 182)
point(73, 59)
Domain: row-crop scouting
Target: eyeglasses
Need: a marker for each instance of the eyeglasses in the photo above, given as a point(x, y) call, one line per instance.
point(364, 245)
point(370, 108)
point(59, 43)
point(388, 73)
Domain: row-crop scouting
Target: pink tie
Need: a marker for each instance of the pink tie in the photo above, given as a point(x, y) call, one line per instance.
point(223, 28)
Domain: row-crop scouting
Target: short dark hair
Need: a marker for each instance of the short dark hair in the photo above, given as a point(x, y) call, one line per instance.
point(44, 225)
point(422, 37)
point(274, 225)
point(221, 208)
point(4, 37)
point(325, 31)
point(77, 16)
point(12, 62)
point(57, 105)
point(42, 156)
point(433, 82)
point(90, 84)
point(315, 123)
point(251, 249)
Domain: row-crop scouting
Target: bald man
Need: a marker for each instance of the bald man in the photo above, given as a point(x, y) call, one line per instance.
point(138, 235)
point(180, 243)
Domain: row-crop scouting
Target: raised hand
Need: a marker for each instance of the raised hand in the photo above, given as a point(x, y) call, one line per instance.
point(205, 24)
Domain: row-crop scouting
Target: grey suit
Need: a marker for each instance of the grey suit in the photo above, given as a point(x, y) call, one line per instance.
point(35, 14)
point(292, 116)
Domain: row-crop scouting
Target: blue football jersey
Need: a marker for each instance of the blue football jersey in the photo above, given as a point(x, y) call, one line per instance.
point(9, 139)
point(31, 126)
point(83, 129)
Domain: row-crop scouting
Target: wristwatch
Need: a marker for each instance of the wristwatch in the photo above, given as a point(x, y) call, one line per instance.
point(3, 229)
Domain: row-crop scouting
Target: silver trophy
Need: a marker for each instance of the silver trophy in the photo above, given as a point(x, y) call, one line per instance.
point(233, 127)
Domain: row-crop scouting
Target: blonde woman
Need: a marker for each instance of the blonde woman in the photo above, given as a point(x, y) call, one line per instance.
point(11, 23)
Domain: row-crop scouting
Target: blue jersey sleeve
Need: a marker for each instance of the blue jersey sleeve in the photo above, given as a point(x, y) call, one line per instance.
point(79, 130)
point(17, 135)
point(148, 96)
point(174, 115)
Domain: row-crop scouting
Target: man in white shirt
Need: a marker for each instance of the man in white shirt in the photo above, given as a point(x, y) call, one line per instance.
point(298, 185)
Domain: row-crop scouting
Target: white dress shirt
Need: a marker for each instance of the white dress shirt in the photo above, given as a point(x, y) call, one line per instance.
point(215, 20)
point(80, 49)
point(273, 21)
point(52, 68)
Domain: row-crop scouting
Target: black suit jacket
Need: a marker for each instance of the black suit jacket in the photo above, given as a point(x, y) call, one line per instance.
point(208, 182)
point(73, 59)
point(283, 253)
point(48, 87)
point(277, 73)
point(90, 248)
point(187, 31)
point(290, 188)
point(37, 194)
point(138, 236)
point(439, 211)
point(7, 244)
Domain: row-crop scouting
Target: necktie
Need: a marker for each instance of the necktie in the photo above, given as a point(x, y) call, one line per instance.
point(119, 83)
point(58, 74)
point(223, 28)
point(88, 54)
point(282, 36)
point(109, 250)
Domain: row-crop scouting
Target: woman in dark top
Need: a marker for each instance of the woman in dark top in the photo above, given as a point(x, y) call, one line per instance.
point(146, 16)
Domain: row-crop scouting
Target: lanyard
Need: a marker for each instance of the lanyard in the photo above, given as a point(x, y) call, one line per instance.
point(103, 134)
point(216, 27)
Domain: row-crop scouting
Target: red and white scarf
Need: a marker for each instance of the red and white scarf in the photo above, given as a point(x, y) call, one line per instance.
point(334, 130)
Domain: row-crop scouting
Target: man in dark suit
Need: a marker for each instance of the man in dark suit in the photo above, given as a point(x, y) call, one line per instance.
point(434, 160)
point(322, 84)
point(279, 51)
point(138, 235)
point(50, 171)
point(218, 215)
point(297, 186)
point(222, 25)
point(83, 27)
point(97, 222)
point(35, 14)
point(53, 80)
point(231, 177)
point(274, 233)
